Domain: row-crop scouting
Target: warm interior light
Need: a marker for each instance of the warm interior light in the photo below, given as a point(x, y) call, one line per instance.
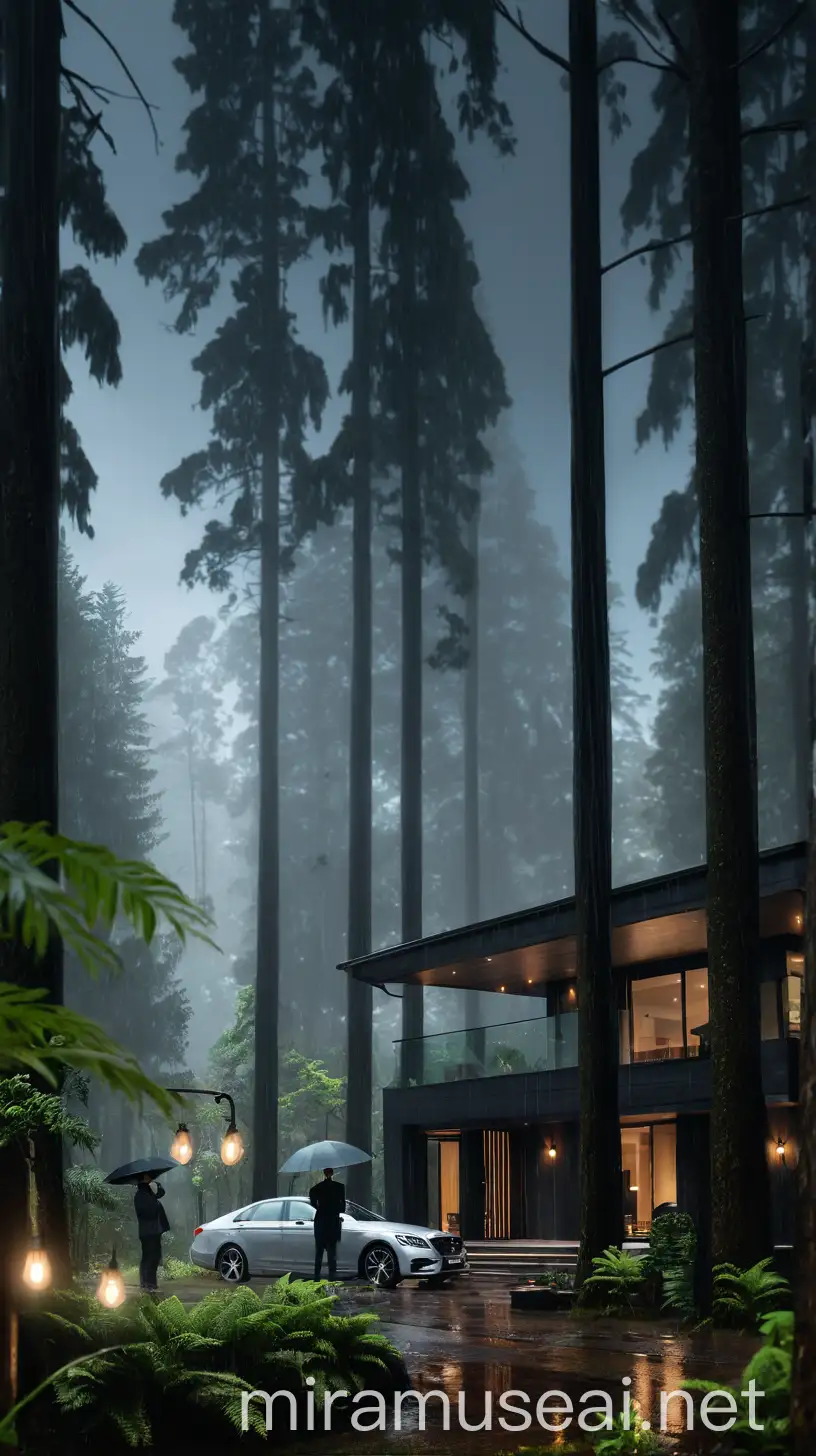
point(780, 1148)
point(501, 988)
point(571, 993)
point(181, 1147)
point(232, 1148)
point(633, 1188)
point(37, 1267)
point(551, 1151)
point(529, 980)
point(111, 1288)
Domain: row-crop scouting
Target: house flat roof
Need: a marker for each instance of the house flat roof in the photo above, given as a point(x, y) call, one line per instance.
point(654, 920)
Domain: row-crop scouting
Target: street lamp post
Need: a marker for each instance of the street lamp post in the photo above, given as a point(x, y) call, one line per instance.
point(232, 1146)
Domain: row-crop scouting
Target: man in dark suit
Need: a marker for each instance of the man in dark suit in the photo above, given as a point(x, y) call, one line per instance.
point(153, 1222)
point(328, 1199)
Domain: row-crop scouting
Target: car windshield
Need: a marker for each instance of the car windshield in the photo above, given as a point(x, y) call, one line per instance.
point(363, 1214)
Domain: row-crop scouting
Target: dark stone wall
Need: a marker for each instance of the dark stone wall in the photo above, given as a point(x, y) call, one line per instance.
point(552, 1184)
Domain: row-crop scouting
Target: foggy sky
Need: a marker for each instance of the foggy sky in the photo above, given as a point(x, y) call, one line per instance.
point(518, 220)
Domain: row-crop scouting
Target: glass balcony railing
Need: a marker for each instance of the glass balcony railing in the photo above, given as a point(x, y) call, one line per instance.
point(541, 1045)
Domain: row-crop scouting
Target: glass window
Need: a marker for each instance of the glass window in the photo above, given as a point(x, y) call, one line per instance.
point(657, 1015)
point(697, 1032)
point(299, 1208)
point(664, 1161)
point(792, 994)
point(649, 1160)
point(271, 1212)
point(636, 1157)
point(769, 1010)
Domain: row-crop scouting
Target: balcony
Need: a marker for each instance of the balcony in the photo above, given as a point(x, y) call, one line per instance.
point(544, 1044)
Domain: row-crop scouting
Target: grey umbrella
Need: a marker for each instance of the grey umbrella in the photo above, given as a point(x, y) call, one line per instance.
point(328, 1154)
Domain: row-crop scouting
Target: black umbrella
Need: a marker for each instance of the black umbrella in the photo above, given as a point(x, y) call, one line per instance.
point(135, 1172)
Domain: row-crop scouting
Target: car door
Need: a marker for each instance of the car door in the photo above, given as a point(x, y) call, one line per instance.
point(263, 1237)
point(297, 1233)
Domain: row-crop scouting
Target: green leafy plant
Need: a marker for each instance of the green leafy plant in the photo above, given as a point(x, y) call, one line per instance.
point(25, 1111)
point(742, 1297)
point(92, 1203)
point(183, 1269)
point(82, 908)
point(192, 1365)
point(619, 1441)
point(619, 1275)
point(560, 1279)
point(771, 1370)
point(669, 1263)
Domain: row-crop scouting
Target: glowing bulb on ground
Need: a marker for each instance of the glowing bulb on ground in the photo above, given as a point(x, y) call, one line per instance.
point(37, 1267)
point(111, 1289)
point(232, 1148)
point(181, 1147)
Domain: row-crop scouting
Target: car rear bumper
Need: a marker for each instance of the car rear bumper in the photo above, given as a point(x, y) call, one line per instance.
point(202, 1260)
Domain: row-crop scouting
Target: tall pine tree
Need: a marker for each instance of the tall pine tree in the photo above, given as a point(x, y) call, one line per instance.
point(245, 224)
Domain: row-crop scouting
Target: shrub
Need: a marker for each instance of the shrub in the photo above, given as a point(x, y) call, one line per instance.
point(619, 1275)
point(771, 1368)
point(742, 1297)
point(669, 1263)
point(191, 1366)
point(561, 1279)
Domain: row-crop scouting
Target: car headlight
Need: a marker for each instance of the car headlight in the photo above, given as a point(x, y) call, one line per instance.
point(412, 1241)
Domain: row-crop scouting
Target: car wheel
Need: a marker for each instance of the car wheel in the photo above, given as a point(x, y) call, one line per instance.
point(380, 1266)
point(232, 1265)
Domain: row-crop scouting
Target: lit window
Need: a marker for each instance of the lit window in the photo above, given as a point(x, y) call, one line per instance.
point(792, 994)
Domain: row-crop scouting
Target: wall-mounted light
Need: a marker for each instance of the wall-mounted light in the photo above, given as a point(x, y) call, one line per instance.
point(111, 1288)
point(780, 1149)
point(797, 920)
point(181, 1147)
point(552, 1151)
point(502, 988)
point(37, 1267)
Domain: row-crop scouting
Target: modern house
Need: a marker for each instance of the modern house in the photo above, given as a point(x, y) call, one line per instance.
point(481, 1132)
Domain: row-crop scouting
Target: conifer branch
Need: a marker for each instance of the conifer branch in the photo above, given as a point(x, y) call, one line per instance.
point(795, 124)
point(665, 344)
point(647, 353)
point(637, 61)
point(106, 40)
point(773, 207)
point(775, 35)
point(93, 118)
point(517, 22)
point(652, 247)
point(664, 60)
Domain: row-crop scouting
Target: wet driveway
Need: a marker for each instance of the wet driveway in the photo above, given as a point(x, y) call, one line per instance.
point(465, 1341)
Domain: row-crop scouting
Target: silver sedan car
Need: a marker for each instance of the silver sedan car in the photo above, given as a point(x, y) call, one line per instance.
point(276, 1237)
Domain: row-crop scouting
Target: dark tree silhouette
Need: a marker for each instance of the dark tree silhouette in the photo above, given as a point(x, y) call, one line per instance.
point(246, 221)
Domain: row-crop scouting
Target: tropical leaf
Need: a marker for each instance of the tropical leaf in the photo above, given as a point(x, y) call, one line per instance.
point(96, 889)
point(39, 1037)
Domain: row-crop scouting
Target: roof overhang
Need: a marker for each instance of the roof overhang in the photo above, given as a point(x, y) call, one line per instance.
point(655, 920)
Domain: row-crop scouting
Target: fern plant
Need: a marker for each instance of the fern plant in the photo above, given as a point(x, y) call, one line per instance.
point(742, 1297)
point(618, 1275)
point(191, 1366)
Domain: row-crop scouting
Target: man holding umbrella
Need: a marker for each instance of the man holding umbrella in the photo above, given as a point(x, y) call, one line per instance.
point(153, 1222)
point(150, 1215)
point(328, 1199)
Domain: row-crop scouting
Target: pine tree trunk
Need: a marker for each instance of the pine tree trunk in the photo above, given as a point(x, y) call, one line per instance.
point(473, 1000)
point(29, 537)
point(740, 1188)
point(411, 705)
point(600, 1157)
point(803, 1407)
point(267, 986)
point(359, 1016)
